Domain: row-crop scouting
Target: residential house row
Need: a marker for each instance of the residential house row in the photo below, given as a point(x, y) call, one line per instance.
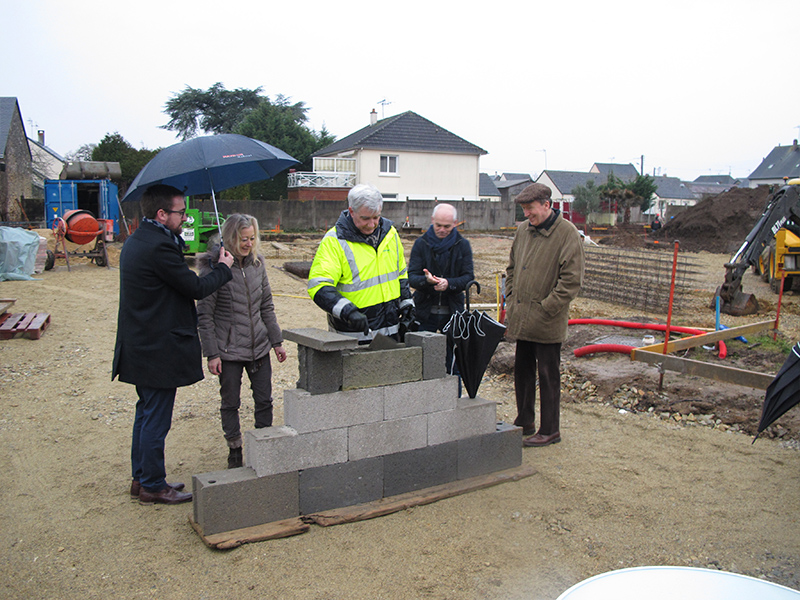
point(414, 162)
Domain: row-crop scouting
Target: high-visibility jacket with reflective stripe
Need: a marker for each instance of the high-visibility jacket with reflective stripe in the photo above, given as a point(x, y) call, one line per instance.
point(357, 271)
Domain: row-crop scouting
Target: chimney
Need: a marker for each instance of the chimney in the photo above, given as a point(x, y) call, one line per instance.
point(794, 145)
point(373, 117)
point(41, 136)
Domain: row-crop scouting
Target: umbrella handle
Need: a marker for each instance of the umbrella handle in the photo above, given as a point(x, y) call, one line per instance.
point(470, 284)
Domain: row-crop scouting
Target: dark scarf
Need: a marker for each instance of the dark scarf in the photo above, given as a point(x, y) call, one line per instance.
point(550, 220)
point(440, 248)
point(175, 238)
point(346, 229)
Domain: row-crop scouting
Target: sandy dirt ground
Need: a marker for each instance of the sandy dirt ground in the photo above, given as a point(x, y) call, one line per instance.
point(624, 488)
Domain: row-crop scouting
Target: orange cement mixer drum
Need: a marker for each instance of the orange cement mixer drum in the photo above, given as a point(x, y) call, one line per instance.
point(82, 227)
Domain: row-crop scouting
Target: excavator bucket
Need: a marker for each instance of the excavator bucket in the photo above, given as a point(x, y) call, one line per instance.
point(741, 305)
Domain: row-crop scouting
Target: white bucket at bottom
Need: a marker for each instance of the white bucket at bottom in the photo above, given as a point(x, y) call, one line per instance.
point(676, 583)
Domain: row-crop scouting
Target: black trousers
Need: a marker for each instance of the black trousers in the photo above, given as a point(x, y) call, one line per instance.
point(230, 387)
point(544, 359)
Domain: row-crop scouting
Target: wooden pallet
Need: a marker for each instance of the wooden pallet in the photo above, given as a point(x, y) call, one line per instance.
point(30, 325)
point(5, 305)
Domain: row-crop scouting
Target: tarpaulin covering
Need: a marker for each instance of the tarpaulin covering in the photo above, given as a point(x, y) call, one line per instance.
point(18, 249)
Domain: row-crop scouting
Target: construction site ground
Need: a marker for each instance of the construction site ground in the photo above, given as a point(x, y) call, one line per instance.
point(645, 474)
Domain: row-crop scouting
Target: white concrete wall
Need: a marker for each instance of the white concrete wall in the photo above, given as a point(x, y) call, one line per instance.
point(423, 175)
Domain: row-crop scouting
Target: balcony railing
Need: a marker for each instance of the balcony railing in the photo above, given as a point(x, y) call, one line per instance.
point(321, 179)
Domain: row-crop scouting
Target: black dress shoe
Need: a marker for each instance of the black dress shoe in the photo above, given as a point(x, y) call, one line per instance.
point(136, 487)
point(538, 440)
point(166, 496)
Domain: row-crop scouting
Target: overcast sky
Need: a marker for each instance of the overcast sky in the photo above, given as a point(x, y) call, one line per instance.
point(696, 87)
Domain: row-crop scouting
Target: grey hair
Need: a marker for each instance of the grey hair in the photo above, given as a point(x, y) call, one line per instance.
point(365, 195)
point(438, 207)
point(230, 232)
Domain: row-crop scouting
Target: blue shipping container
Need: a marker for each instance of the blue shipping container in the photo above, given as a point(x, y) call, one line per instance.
point(98, 196)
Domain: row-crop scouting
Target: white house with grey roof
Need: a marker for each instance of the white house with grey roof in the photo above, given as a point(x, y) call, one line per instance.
point(561, 183)
point(406, 156)
point(672, 196)
point(672, 193)
point(46, 163)
point(624, 172)
point(782, 163)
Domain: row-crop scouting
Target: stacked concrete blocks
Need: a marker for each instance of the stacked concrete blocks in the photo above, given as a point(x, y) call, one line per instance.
point(361, 425)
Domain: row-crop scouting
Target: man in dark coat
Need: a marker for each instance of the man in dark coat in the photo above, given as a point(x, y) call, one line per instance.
point(439, 269)
point(656, 224)
point(158, 348)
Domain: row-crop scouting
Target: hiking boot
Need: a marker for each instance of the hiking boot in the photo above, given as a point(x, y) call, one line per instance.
point(235, 458)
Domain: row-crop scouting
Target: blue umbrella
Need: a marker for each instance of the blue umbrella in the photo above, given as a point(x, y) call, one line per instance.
point(203, 165)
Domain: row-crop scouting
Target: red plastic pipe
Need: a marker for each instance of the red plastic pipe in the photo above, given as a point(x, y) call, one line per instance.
point(723, 350)
point(592, 348)
point(778, 313)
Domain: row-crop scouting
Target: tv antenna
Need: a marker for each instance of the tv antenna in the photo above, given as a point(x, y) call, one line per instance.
point(383, 104)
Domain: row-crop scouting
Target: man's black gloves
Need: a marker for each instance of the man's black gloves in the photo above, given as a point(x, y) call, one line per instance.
point(408, 313)
point(358, 321)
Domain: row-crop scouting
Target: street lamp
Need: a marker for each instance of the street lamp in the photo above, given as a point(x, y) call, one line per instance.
point(545, 157)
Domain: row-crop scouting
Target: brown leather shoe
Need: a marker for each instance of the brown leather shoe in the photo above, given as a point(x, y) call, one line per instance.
point(538, 440)
point(166, 496)
point(136, 487)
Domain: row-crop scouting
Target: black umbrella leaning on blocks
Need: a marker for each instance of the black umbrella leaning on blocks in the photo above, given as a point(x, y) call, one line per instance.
point(474, 335)
point(783, 393)
point(206, 164)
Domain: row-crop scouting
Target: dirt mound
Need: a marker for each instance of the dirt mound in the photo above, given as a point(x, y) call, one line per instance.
point(625, 239)
point(718, 224)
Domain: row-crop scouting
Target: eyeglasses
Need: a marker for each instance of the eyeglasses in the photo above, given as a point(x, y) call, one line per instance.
point(182, 213)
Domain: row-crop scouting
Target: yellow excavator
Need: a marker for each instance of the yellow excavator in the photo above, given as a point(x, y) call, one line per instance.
point(772, 249)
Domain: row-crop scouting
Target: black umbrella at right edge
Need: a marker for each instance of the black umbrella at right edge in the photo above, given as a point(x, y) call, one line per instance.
point(783, 393)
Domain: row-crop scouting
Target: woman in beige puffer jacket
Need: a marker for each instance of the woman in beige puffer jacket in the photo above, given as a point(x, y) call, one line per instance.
point(238, 328)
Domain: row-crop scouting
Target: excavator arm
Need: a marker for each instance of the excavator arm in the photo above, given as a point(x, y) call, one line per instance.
point(781, 211)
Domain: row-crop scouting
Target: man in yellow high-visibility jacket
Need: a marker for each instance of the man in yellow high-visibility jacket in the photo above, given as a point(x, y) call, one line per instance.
point(359, 272)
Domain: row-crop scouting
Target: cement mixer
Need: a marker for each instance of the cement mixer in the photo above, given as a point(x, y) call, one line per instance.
point(80, 227)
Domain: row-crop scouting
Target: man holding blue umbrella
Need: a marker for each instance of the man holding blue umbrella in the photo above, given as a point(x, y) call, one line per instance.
point(157, 347)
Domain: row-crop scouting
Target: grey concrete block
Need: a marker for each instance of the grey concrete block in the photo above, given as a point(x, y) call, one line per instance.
point(492, 452)
point(319, 339)
point(237, 498)
point(273, 450)
point(305, 412)
point(419, 469)
point(343, 484)
point(370, 368)
point(320, 372)
point(420, 397)
point(376, 439)
point(434, 352)
point(470, 417)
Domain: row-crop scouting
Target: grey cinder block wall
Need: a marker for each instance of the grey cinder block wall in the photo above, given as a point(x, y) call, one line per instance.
point(361, 425)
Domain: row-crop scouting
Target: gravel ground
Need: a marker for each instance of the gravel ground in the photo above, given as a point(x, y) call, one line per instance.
point(623, 488)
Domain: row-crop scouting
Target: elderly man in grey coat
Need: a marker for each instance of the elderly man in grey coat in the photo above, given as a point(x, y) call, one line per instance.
point(544, 274)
